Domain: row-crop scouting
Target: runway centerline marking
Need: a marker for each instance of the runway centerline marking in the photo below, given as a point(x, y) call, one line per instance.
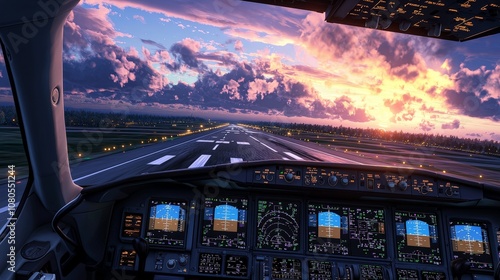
point(242, 143)
point(200, 161)
point(293, 156)
point(235, 160)
point(205, 141)
point(215, 147)
point(263, 144)
point(161, 160)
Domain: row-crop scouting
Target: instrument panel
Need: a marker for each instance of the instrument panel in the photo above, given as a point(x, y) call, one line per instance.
point(262, 231)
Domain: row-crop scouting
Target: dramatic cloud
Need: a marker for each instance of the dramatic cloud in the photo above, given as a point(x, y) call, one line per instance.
point(455, 124)
point(309, 68)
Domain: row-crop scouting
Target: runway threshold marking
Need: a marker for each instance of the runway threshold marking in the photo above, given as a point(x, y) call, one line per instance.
point(263, 144)
point(235, 160)
point(242, 143)
point(293, 156)
point(200, 161)
point(161, 160)
point(141, 157)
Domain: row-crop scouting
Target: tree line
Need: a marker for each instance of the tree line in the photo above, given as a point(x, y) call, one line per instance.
point(82, 118)
point(472, 145)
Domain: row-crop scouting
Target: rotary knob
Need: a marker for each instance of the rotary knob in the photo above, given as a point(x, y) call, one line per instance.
point(182, 260)
point(333, 180)
point(424, 189)
point(344, 181)
point(171, 263)
point(307, 180)
point(449, 191)
point(289, 177)
point(391, 185)
point(402, 185)
point(321, 180)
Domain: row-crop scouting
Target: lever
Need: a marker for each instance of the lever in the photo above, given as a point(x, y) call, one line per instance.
point(459, 267)
point(141, 248)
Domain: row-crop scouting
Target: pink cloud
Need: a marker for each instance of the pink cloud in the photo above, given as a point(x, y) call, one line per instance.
point(238, 45)
point(260, 87)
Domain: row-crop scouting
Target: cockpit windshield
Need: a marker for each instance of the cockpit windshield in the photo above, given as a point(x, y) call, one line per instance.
point(148, 83)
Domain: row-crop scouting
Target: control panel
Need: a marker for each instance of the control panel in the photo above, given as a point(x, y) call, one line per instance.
point(309, 222)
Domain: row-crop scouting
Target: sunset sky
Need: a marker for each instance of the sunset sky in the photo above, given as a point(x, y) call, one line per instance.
point(240, 60)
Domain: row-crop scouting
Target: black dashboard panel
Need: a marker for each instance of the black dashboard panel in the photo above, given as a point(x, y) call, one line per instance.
point(305, 221)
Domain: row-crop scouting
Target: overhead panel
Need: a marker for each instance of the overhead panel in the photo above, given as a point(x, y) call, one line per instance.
point(460, 20)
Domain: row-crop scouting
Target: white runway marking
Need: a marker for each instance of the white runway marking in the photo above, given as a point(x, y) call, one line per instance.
point(338, 159)
point(138, 158)
point(264, 144)
point(235, 160)
point(222, 142)
point(161, 160)
point(200, 161)
point(205, 141)
point(293, 156)
point(242, 143)
point(215, 148)
point(286, 158)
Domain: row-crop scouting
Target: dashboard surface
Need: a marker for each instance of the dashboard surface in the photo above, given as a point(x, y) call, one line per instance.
point(304, 221)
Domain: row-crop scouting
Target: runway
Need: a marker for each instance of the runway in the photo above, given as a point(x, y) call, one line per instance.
point(229, 144)
point(235, 143)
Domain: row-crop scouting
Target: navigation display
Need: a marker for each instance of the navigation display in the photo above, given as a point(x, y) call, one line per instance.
point(469, 241)
point(346, 230)
point(417, 237)
point(167, 223)
point(225, 223)
point(278, 225)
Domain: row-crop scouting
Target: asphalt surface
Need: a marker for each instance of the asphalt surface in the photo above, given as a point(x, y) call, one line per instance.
point(228, 144)
point(225, 145)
